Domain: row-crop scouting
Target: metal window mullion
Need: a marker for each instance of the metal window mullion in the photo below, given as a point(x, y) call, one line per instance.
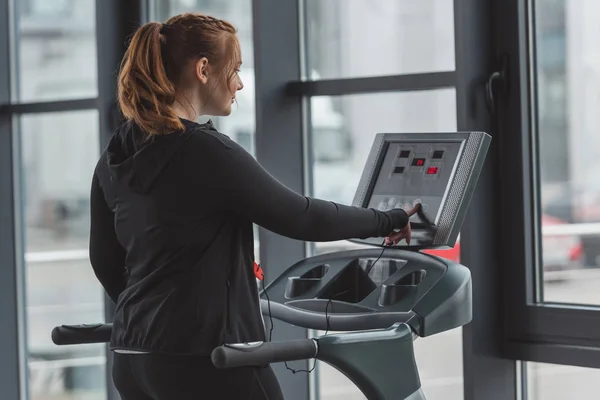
point(12, 345)
point(515, 142)
point(389, 83)
point(553, 353)
point(553, 323)
point(279, 148)
point(486, 374)
point(13, 363)
point(49, 107)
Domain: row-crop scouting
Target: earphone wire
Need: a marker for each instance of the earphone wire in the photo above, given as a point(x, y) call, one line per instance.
point(327, 316)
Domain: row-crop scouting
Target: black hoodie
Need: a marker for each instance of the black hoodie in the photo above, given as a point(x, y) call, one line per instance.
point(172, 240)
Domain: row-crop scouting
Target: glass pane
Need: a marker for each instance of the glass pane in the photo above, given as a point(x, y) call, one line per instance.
point(567, 71)
point(355, 38)
point(55, 46)
point(343, 129)
point(561, 382)
point(60, 285)
point(439, 360)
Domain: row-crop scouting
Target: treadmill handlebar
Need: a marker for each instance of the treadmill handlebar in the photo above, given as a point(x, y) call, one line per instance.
point(263, 353)
point(225, 356)
point(78, 334)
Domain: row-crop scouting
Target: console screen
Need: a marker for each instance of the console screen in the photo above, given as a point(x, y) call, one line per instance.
point(412, 173)
point(437, 170)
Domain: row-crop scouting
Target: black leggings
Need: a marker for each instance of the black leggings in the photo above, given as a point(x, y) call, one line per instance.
point(164, 377)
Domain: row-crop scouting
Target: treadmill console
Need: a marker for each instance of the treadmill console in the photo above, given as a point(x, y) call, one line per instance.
point(374, 288)
point(437, 170)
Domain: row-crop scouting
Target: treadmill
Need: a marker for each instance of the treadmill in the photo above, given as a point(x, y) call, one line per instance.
point(379, 299)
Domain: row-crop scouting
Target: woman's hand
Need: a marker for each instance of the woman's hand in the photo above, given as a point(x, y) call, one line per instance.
point(403, 233)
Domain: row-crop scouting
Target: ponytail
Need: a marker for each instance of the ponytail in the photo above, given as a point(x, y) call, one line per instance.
point(145, 93)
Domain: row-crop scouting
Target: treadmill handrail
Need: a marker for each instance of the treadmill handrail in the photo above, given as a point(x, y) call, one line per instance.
point(100, 333)
point(83, 333)
point(263, 353)
point(336, 322)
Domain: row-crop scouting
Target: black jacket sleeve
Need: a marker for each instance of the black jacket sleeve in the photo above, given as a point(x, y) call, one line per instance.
point(107, 256)
point(256, 195)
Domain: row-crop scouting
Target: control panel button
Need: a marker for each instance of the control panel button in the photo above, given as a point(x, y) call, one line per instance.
point(438, 154)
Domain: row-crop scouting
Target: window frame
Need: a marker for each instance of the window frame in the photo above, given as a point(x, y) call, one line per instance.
point(279, 143)
point(539, 332)
point(508, 325)
point(487, 373)
point(12, 332)
point(115, 21)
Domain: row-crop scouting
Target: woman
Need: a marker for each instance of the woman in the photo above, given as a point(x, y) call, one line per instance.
point(172, 208)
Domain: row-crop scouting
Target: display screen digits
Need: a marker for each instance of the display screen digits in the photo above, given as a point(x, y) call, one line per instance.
point(432, 170)
point(418, 162)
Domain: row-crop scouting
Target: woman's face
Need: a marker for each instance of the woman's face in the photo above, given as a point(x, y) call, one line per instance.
point(224, 94)
point(222, 87)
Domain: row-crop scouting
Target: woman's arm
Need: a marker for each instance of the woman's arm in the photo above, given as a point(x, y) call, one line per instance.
point(107, 256)
point(256, 195)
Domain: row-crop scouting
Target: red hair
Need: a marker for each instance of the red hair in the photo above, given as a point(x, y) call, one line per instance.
point(153, 65)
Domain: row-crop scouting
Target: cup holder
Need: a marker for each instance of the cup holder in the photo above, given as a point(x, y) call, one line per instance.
point(352, 284)
point(317, 272)
point(401, 288)
point(297, 286)
point(412, 279)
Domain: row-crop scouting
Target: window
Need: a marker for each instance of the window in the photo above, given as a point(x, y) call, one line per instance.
point(439, 362)
point(533, 235)
point(567, 119)
point(558, 382)
point(60, 285)
point(342, 131)
point(548, 279)
point(349, 38)
point(55, 50)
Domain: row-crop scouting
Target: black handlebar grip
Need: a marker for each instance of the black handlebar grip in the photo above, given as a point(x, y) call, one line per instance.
point(262, 353)
point(78, 334)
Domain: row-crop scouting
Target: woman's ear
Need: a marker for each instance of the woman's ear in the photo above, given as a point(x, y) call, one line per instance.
point(201, 70)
